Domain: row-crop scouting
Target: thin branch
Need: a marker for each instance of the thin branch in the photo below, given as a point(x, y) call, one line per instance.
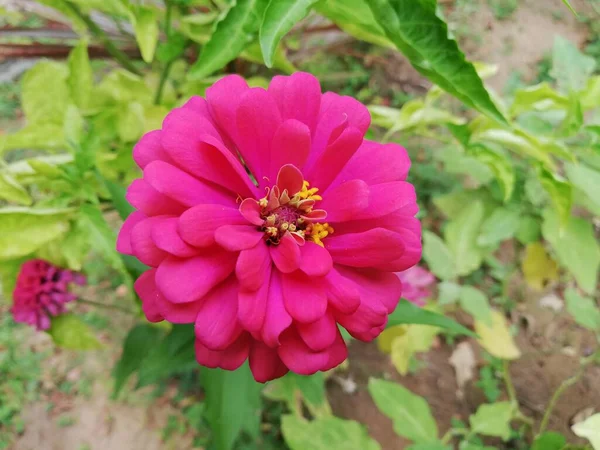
point(106, 306)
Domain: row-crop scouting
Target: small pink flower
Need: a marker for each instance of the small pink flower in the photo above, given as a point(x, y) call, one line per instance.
point(416, 283)
point(42, 291)
point(268, 220)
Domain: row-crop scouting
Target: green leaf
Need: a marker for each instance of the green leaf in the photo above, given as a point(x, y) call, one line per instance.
point(576, 247)
point(495, 337)
point(568, 5)
point(549, 441)
point(112, 7)
point(410, 413)
point(12, 191)
point(538, 268)
point(70, 332)
point(417, 31)
point(145, 25)
point(279, 18)
point(45, 94)
point(130, 124)
point(81, 78)
point(590, 430)
point(438, 257)
point(140, 340)
point(123, 87)
point(327, 433)
point(492, 420)
point(501, 225)
point(408, 313)
point(476, 303)
point(117, 193)
point(9, 271)
point(448, 292)
point(35, 136)
point(499, 164)
point(171, 355)
point(24, 230)
point(74, 129)
point(570, 68)
point(432, 446)
point(586, 179)
point(232, 404)
point(461, 236)
point(560, 191)
point(529, 230)
point(584, 310)
point(232, 34)
point(281, 62)
point(540, 97)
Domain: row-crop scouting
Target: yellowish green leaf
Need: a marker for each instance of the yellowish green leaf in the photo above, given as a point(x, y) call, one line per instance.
point(496, 339)
point(538, 267)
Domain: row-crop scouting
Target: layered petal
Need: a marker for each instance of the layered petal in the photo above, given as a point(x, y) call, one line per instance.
point(197, 226)
point(229, 359)
point(265, 363)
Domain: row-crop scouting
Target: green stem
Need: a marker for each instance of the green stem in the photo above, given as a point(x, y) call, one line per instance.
point(561, 390)
point(104, 305)
point(510, 387)
point(164, 75)
point(452, 432)
point(99, 33)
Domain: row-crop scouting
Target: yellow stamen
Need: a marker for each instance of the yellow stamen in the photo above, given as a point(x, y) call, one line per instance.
point(292, 227)
point(308, 194)
point(284, 226)
point(270, 220)
point(263, 202)
point(272, 231)
point(319, 231)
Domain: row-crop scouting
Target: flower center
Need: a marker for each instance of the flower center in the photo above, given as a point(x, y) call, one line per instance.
point(282, 213)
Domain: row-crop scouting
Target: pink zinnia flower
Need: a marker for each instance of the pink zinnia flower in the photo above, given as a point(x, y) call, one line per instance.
point(416, 284)
point(265, 264)
point(42, 291)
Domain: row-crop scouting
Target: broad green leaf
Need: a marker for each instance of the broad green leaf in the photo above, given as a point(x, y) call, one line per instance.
point(499, 164)
point(41, 136)
point(438, 257)
point(131, 122)
point(570, 68)
point(492, 420)
point(279, 18)
point(74, 129)
point(73, 247)
point(476, 303)
point(9, 270)
point(453, 203)
point(529, 230)
point(461, 237)
point(586, 179)
point(560, 192)
point(501, 225)
point(457, 161)
point(410, 413)
point(590, 97)
point(407, 313)
point(24, 230)
point(81, 78)
point(496, 337)
point(415, 339)
point(327, 433)
point(538, 267)
point(549, 441)
point(11, 190)
point(584, 310)
point(139, 342)
point(281, 62)
point(590, 430)
point(417, 31)
point(356, 19)
point(540, 97)
point(145, 25)
point(45, 94)
point(232, 404)
point(448, 292)
point(576, 247)
point(232, 34)
point(123, 87)
point(573, 121)
point(413, 114)
point(310, 388)
point(70, 332)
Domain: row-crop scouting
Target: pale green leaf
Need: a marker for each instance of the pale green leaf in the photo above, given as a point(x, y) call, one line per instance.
point(74, 128)
point(81, 78)
point(11, 190)
point(461, 237)
point(476, 303)
point(560, 192)
point(448, 292)
point(232, 34)
point(495, 337)
point(70, 332)
point(584, 310)
point(279, 18)
point(232, 404)
point(493, 420)
point(429, 446)
point(113, 7)
point(590, 97)
point(327, 433)
point(501, 225)
point(422, 36)
point(529, 230)
point(590, 430)
point(499, 164)
point(42, 136)
point(24, 230)
point(130, 125)
point(410, 413)
point(9, 271)
point(570, 68)
point(576, 247)
point(438, 257)
point(540, 97)
point(121, 86)
point(586, 179)
point(45, 94)
point(145, 25)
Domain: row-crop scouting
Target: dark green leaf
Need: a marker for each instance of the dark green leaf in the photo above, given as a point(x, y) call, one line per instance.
point(117, 192)
point(408, 313)
point(232, 404)
point(279, 18)
point(70, 332)
point(232, 34)
point(138, 343)
point(549, 441)
point(417, 31)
